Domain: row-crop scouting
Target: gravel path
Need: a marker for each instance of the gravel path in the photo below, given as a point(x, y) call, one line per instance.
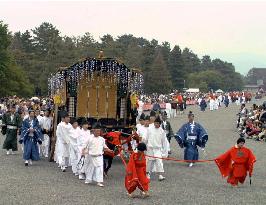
point(43, 183)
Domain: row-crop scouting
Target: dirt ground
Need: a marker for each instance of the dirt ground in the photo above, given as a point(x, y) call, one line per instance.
point(44, 183)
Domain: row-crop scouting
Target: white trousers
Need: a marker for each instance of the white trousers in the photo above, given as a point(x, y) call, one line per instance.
point(45, 145)
point(155, 165)
point(73, 158)
point(94, 172)
point(63, 154)
point(173, 113)
point(211, 106)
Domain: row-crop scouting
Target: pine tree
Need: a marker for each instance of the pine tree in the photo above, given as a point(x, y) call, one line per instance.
point(159, 80)
point(176, 67)
point(13, 79)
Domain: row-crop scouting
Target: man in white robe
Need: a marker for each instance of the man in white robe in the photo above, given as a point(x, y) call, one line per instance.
point(212, 102)
point(139, 126)
point(58, 130)
point(82, 141)
point(220, 99)
point(140, 108)
point(46, 126)
point(143, 130)
point(157, 146)
point(73, 149)
point(216, 103)
point(63, 140)
point(39, 115)
point(168, 109)
point(95, 149)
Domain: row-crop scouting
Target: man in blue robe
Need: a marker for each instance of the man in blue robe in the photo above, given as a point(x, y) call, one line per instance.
point(203, 104)
point(190, 136)
point(31, 135)
point(226, 101)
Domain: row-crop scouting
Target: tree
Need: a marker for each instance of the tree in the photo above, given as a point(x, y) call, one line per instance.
point(206, 63)
point(213, 80)
point(46, 38)
point(159, 80)
point(86, 45)
point(13, 80)
point(4, 56)
point(37, 53)
point(134, 56)
point(191, 61)
point(165, 49)
point(175, 64)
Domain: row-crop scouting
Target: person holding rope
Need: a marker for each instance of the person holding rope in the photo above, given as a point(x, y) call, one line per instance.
point(82, 140)
point(190, 136)
point(136, 172)
point(236, 162)
point(94, 150)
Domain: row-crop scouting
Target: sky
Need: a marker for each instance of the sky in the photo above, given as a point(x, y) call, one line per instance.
point(234, 31)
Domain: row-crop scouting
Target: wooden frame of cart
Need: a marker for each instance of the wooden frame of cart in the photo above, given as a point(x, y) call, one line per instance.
point(98, 89)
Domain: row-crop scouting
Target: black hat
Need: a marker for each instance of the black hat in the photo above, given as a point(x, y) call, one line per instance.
point(142, 147)
point(241, 139)
point(153, 113)
point(31, 110)
point(73, 120)
point(190, 114)
point(147, 117)
point(142, 116)
point(63, 113)
point(84, 122)
point(96, 126)
point(158, 119)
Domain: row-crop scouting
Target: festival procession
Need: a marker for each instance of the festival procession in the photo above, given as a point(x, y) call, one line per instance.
point(91, 114)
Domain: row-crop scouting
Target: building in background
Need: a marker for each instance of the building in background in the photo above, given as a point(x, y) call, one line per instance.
point(256, 79)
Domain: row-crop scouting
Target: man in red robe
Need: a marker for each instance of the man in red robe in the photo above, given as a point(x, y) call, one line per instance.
point(136, 172)
point(236, 162)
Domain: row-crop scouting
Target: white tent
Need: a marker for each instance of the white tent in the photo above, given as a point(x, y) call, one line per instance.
point(219, 91)
point(192, 90)
point(34, 98)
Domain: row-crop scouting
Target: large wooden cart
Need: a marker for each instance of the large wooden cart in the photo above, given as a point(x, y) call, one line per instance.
point(98, 89)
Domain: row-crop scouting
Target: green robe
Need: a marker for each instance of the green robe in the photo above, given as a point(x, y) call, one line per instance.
point(11, 134)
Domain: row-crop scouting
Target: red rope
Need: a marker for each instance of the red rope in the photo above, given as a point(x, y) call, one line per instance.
point(179, 160)
point(122, 158)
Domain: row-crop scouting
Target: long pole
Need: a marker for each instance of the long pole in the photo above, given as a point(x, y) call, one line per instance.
point(53, 138)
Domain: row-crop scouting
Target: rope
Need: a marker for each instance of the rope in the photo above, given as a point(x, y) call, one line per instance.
point(179, 160)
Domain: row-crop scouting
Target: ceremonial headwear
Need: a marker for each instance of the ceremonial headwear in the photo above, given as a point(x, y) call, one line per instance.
point(31, 110)
point(96, 126)
point(73, 120)
point(147, 117)
point(158, 120)
point(142, 116)
point(164, 114)
point(65, 115)
point(190, 114)
point(153, 113)
point(85, 122)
